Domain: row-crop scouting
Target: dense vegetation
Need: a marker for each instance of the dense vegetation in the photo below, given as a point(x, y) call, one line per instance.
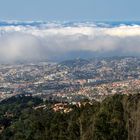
point(116, 118)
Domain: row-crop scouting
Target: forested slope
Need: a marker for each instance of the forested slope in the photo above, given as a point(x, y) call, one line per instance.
point(115, 118)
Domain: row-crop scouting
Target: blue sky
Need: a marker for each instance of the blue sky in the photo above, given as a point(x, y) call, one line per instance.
point(94, 10)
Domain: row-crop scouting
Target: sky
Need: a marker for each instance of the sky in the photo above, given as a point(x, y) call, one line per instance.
point(71, 10)
point(57, 41)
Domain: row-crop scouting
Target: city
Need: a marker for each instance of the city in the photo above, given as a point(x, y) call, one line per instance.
point(69, 70)
point(73, 80)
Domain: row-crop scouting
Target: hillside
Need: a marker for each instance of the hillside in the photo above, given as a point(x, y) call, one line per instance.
point(28, 118)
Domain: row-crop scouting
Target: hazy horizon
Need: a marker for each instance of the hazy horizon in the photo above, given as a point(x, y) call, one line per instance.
point(60, 30)
point(57, 41)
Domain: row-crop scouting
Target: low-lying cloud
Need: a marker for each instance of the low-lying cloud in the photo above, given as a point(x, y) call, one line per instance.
point(31, 43)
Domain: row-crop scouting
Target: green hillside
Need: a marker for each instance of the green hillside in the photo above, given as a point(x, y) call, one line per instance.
point(116, 118)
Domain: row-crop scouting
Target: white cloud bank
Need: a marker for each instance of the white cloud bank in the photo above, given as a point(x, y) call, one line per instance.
point(27, 43)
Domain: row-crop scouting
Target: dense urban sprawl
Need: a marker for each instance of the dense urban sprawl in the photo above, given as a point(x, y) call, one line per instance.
point(73, 80)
